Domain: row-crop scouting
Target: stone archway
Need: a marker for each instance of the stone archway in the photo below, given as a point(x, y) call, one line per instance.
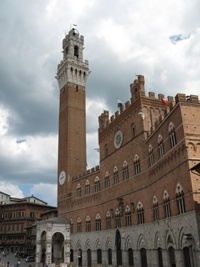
point(53, 242)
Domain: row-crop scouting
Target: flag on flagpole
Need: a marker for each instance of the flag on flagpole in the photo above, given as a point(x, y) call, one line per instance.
point(164, 101)
point(119, 103)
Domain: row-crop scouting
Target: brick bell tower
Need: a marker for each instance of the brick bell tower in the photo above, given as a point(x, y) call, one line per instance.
point(72, 75)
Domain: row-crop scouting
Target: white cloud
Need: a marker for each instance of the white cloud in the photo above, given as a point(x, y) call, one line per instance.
point(11, 189)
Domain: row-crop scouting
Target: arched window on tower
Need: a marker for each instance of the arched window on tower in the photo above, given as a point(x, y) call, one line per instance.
point(180, 199)
point(76, 51)
point(172, 135)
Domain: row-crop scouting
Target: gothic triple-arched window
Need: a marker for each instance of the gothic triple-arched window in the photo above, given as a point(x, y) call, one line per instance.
point(88, 224)
point(161, 146)
point(125, 171)
point(87, 187)
point(137, 164)
point(107, 180)
point(155, 208)
point(96, 184)
point(98, 222)
point(115, 175)
point(140, 213)
point(78, 190)
point(108, 220)
point(79, 225)
point(167, 204)
point(151, 155)
point(128, 216)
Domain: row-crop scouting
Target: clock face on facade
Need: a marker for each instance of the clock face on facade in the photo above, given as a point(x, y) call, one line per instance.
point(118, 138)
point(62, 177)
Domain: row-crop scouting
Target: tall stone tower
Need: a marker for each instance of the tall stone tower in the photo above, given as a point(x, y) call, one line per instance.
point(72, 74)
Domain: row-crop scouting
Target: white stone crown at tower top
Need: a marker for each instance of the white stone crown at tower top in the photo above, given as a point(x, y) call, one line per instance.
point(72, 68)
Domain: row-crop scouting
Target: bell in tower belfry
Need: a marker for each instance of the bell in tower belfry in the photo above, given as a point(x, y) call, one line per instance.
point(72, 75)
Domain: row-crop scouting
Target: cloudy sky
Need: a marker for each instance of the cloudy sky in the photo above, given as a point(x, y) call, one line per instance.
point(158, 39)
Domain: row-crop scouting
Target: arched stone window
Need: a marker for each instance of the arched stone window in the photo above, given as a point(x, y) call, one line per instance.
point(107, 180)
point(88, 224)
point(167, 206)
point(96, 184)
point(137, 164)
point(172, 135)
point(87, 187)
point(161, 146)
point(98, 222)
point(115, 175)
point(140, 213)
point(78, 190)
point(151, 155)
point(155, 208)
point(180, 199)
point(125, 171)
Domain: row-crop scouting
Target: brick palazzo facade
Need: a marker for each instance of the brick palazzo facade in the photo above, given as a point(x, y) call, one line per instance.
point(17, 219)
point(140, 206)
